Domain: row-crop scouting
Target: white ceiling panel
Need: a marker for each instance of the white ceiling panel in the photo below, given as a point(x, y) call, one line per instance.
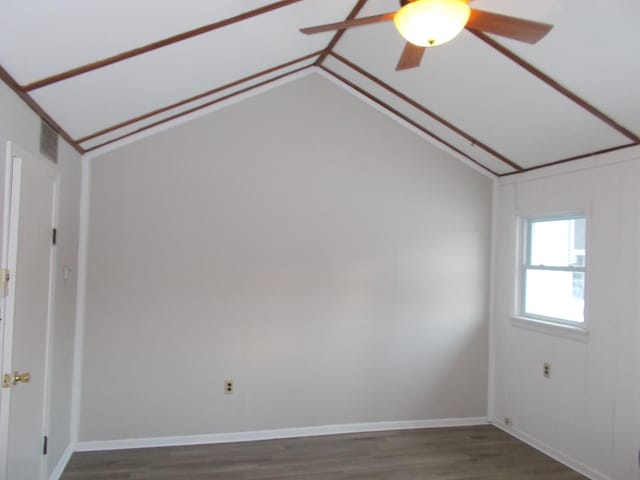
point(136, 86)
point(436, 128)
point(60, 35)
point(485, 94)
point(202, 103)
point(592, 50)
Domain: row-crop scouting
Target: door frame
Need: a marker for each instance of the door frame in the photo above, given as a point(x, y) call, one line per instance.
point(15, 155)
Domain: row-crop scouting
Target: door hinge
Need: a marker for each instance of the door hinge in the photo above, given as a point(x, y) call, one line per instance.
point(54, 235)
point(4, 281)
point(45, 445)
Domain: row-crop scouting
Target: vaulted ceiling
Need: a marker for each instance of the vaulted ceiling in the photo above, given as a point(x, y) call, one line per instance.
point(102, 70)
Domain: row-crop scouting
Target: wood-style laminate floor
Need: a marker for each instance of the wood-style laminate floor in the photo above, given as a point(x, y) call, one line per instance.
point(463, 453)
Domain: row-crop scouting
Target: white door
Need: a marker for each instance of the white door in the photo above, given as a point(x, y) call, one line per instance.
point(28, 254)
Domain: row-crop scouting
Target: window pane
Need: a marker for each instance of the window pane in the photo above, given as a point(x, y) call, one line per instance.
point(555, 294)
point(557, 243)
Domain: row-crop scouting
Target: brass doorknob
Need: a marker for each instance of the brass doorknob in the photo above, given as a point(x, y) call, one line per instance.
point(21, 377)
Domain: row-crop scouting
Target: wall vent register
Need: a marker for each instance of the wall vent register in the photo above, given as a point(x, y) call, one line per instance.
point(48, 142)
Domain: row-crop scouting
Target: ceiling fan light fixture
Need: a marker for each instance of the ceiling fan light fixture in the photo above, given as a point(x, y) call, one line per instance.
point(429, 23)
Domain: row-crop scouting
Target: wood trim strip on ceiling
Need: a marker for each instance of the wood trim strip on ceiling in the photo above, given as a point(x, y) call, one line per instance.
point(199, 107)
point(155, 45)
point(571, 159)
point(33, 105)
point(404, 117)
point(354, 12)
point(556, 86)
point(426, 111)
point(195, 97)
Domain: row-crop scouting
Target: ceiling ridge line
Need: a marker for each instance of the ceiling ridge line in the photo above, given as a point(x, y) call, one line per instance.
point(338, 35)
point(405, 118)
point(571, 159)
point(185, 101)
point(154, 45)
point(556, 86)
point(199, 107)
point(428, 112)
point(33, 105)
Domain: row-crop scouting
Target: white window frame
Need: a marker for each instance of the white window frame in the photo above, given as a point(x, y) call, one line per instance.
point(525, 222)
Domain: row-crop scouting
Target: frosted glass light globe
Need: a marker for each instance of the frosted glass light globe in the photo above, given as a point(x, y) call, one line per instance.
point(428, 23)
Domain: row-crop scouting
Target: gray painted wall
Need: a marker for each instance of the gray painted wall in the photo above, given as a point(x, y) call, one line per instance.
point(20, 125)
point(329, 261)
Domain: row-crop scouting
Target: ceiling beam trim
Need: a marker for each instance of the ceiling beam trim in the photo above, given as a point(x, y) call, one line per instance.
point(195, 97)
point(155, 45)
point(199, 107)
point(33, 105)
point(403, 117)
point(556, 86)
point(334, 41)
point(428, 112)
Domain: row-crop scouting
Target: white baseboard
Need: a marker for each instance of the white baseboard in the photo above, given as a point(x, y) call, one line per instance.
point(122, 444)
point(274, 434)
point(554, 453)
point(56, 473)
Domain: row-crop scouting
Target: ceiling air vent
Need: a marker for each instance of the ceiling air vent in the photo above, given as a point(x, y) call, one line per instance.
point(48, 141)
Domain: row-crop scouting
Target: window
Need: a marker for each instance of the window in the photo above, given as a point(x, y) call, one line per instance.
point(553, 269)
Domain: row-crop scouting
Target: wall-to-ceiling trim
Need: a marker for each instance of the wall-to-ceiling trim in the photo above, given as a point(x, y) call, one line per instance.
point(196, 97)
point(222, 102)
point(405, 118)
point(426, 111)
point(199, 107)
point(556, 86)
point(572, 159)
point(155, 45)
point(597, 160)
point(33, 105)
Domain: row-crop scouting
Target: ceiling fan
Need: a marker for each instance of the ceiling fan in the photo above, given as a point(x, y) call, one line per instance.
point(429, 23)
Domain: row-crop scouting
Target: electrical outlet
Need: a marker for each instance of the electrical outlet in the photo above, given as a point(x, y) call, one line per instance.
point(507, 421)
point(546, 370)
point(228, 386)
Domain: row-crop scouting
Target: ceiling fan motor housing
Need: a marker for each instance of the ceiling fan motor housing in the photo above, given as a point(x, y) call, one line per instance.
point(429, 23)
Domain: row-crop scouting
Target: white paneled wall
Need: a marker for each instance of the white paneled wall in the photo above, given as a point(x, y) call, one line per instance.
point(587, 412)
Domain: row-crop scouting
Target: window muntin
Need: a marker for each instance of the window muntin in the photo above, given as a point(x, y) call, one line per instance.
point(553, 268)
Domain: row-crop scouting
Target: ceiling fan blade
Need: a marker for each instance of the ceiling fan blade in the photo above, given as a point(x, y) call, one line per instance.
point(505, 26)
point(356, 22)
point(411, 56)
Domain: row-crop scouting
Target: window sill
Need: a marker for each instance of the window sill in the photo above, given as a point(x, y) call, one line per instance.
point(558, 330)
